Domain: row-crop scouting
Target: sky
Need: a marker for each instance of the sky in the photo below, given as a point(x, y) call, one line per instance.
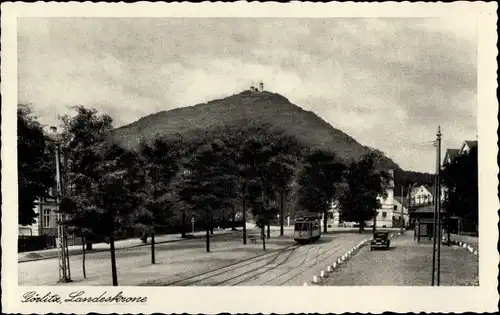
point(388, 83)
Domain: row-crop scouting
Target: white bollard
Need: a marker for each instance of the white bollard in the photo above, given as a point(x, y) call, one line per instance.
point(339, 261)
point(322, 274)
point(475, 252)
point(315, 279)
point(329, 269)
point(334, 265)
point(464, 246)
point(305, 284)
point(471, 250)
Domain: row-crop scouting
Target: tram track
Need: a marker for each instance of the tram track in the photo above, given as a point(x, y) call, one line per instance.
point(230, 267)
point(253, 276)
point(306, 267)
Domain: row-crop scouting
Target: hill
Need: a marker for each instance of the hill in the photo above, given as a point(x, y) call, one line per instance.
point(247, 106)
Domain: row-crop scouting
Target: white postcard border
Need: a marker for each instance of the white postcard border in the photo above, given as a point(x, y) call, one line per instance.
point(267, 299)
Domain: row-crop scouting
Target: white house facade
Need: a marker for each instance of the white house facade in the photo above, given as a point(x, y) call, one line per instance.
point(401, 209)
point(386, 211)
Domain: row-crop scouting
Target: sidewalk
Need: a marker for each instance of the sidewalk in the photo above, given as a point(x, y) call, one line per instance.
point(99, 247)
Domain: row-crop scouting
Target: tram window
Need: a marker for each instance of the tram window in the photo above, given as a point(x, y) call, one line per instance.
point(301, 226)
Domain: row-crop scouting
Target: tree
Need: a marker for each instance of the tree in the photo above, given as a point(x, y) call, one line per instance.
point(105, 201)
point(281, 169)
point(35, 164)
point(321, 174)
point(200, 187)
point(82, 135)
point(161, 163)
point(460, 177)
point(362, 188)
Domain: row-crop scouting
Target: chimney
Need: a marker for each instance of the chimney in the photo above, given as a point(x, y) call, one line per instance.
point(261, 86)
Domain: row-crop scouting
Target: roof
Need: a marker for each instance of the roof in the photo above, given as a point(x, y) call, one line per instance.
point(471, 143)
point(427, 209)
point(415, 190)
point(402, 201)
point(451, 153)
point(431, 189)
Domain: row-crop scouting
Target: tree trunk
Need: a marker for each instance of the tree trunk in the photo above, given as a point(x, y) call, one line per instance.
point(212, 223)
point(244, 221)
point(361, 226)
point(282, 210)
point(113, 258)
point(89, 245)
point(375, 222)
point(83, 258)
point(325, 221)
point(153, 247)
point(207, 223)
point(183, 227)
point(263, 238)
point(269, 230)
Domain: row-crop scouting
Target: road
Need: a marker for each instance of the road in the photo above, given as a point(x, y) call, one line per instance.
point(407, 263)
point(186, 263)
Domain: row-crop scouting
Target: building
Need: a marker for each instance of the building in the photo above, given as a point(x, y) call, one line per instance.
point(257, 87)
point(450, 155)
point(385, 214)
point(333, 215)
point(45, 220)
point(424, 222)
point(467, 146)
point(401, 210)
point(422, 195)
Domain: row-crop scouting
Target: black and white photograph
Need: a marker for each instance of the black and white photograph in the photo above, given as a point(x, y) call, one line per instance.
point(250, 151)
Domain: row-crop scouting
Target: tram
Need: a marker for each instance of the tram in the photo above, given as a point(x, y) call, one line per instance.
point(307, 229)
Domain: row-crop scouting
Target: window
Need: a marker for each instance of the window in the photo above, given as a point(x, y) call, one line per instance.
point(384, 214)
point(46, 218)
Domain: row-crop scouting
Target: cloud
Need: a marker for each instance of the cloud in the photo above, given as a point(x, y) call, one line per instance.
point(386, 82)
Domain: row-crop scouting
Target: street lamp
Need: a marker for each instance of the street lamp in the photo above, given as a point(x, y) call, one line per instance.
point(64, 267)
point(183, 219)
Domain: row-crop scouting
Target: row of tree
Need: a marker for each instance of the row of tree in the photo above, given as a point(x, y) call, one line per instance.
point(249, 167)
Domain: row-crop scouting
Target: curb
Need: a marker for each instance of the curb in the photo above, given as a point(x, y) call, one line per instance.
point(100, 250)
point(331, 268)
point(465, 246)
point(336, 264)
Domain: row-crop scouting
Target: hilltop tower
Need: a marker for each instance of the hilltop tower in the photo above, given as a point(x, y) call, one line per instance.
point(257, 87)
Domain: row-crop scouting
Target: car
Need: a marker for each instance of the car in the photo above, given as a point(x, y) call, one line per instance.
point(380, 240)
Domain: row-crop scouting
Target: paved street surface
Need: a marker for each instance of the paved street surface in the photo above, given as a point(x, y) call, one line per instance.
point(408, 264)
point(186, 263)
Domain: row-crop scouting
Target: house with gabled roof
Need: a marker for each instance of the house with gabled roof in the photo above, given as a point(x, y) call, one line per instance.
point(450, 155)
point(384, 217)
point(422, 195)
point(467, 146)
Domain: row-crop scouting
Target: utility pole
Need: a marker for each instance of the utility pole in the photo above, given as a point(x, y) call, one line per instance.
point(63, 261)
point(436, 253)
